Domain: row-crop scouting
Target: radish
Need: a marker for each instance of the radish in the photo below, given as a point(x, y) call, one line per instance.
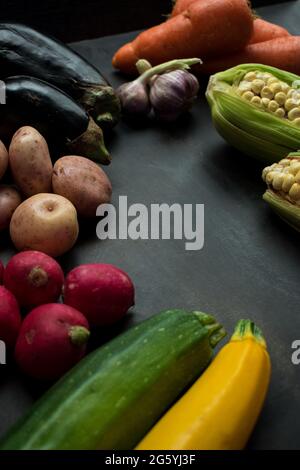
point(52, 339)
point(34, 278)
point(10, 318)
point(102, 292)
point(1, 272)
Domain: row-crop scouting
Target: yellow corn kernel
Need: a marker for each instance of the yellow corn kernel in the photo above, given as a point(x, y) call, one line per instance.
point(294, 167)
point(280, 98)
point(257, 86)
point(285, 162)
point(265, 102)
point(297, 122)
point(288, 182)
point(290, 104)
point(280, 112)
point(297, 177)
point(272, 80)
point(285, 87)
point(278, 181)
point(265, 172)
point(275, 87)
point(270, 176)
point(247, 95)
point(290, 93)
point(250, 76)
point(294, 114)
point(267, 93)
point(273, 106)
point(294, 192)
point(256, 100)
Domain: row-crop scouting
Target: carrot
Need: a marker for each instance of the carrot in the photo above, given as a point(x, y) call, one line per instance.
point(206, 28)
point(180, 6)
point(265, 31)
point(283, 53)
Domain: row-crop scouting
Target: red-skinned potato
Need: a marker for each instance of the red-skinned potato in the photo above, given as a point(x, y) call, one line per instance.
point(10, 318)
point(83, 182)
point(10, 199)
point(3, 159)
point(30, 162)
point(34, 278)
point(45, 222)
point(102, 292)
point(52, 339)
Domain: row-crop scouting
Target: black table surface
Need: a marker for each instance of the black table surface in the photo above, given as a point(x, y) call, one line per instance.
point(247, 268)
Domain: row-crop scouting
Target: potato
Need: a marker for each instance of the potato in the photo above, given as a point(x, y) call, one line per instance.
point(3, 159)
point(30, 162)
point(83, 182)
point(10, 199)
point(45, 222)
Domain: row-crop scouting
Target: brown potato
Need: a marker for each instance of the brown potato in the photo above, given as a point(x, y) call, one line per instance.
point(83, 182)
point(45, 222)
point(30, 161)
point(3, 159)
point(10, 199)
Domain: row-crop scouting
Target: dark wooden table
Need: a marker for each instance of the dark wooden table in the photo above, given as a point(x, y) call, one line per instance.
point(249, 266)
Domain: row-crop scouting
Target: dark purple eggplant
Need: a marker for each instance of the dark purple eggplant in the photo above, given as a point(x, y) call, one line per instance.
point(59, 118)
point(25, 51)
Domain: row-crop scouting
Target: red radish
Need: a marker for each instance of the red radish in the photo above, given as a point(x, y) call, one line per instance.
point(102, 292)
point(10, 318)
point(1, 272)
point(52, 339)
point(34, 278)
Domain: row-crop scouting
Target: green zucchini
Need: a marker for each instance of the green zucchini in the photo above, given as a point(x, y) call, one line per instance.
point(114, 396)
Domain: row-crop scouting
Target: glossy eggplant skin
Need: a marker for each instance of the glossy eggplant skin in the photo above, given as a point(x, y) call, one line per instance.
point(26, 51)
point(59, 118)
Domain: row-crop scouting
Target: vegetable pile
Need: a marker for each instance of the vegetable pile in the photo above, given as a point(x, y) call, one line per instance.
point(44, 221)
point(163, 356)
point(156, 386)
point(53, 336)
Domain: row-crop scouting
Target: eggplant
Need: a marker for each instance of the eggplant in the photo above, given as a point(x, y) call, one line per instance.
point(59, 118)
point(26, 51)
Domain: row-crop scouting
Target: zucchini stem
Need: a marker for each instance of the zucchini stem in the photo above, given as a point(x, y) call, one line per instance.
point(216, 331)
point(247, 329)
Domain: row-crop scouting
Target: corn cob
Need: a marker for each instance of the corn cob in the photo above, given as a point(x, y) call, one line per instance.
point(256, 108)
point(283, 193)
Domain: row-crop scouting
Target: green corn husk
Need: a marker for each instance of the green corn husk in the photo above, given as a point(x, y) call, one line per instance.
point(282, 205)
point(251, 130)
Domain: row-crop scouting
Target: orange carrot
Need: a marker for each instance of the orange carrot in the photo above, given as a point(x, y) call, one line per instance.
point(265, 31)
point(206, 28)
point(283, 53)
point(180, 6)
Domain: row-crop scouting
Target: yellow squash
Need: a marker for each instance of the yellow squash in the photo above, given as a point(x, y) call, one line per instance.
point(220, 410)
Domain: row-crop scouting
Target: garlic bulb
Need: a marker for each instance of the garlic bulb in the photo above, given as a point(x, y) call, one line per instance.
point(173, 93)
